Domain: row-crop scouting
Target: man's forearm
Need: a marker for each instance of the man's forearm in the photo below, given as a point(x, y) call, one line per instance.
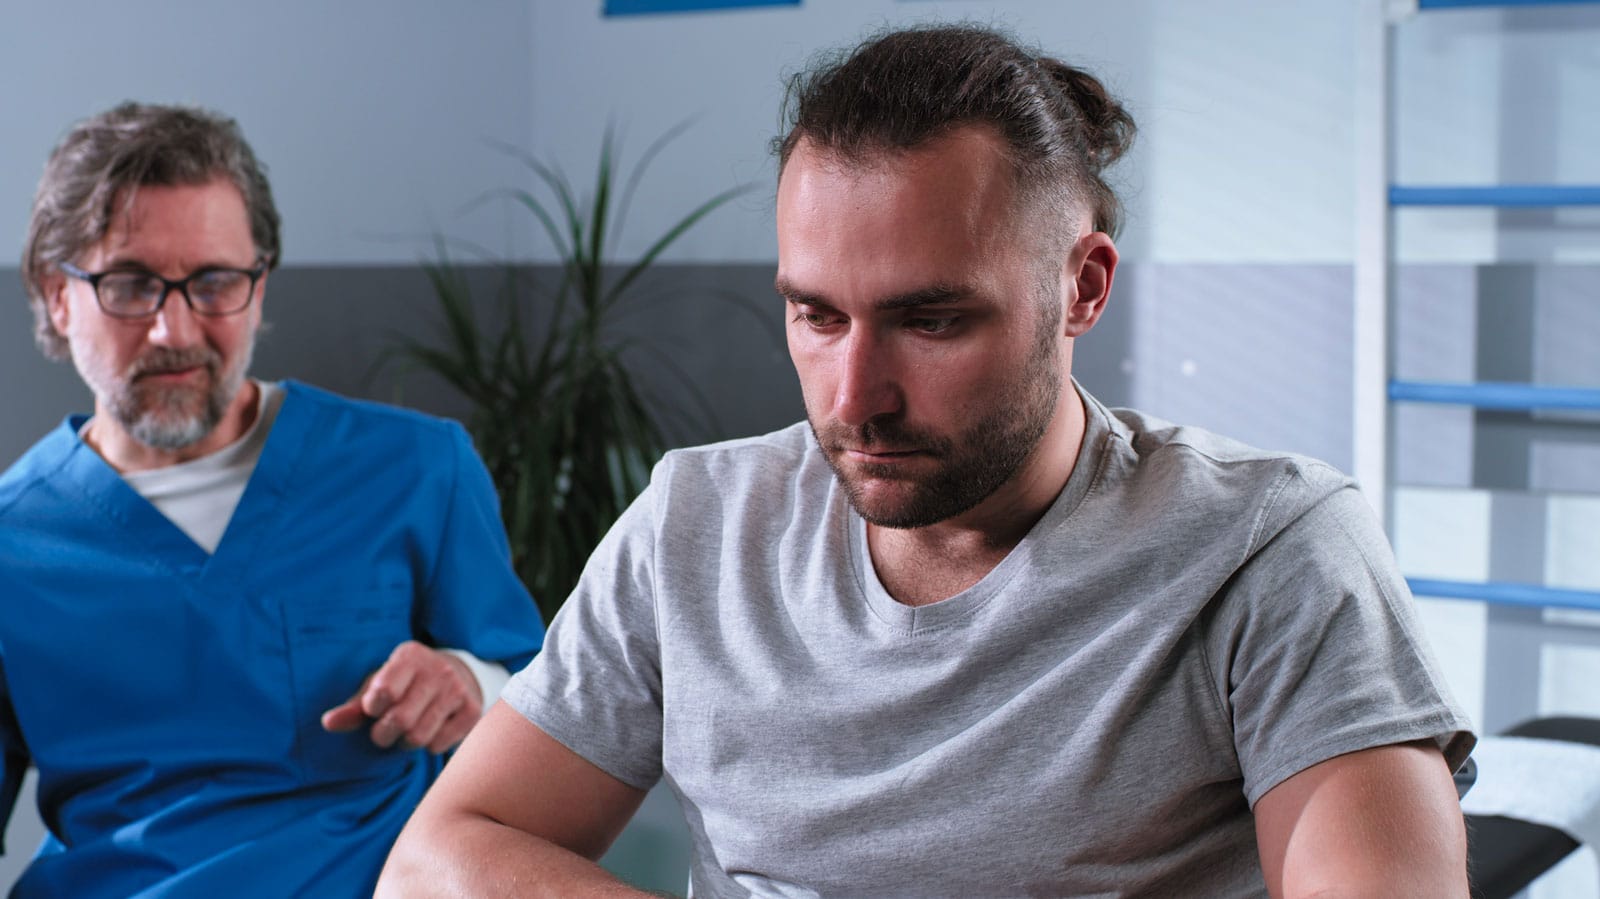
point(470, 855)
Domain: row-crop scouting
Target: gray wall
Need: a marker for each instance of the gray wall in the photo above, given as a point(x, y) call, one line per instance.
point(1202, 344)
point(704, 336)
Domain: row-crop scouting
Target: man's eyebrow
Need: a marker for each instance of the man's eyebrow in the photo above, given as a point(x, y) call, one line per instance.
point(933, 295)
point(126, 264)
point(797, 296)
point(137, 264)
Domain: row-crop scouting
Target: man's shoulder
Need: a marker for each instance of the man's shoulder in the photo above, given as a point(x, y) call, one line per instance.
point(344, 427)
point(778, 454)
point(364, 412)
point(35, 467)
point(326, 432)
point(1215, 475)
point(1152, 437)
point(751, 478)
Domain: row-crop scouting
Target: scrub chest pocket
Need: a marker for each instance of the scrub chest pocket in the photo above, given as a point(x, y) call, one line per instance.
point(334, 640)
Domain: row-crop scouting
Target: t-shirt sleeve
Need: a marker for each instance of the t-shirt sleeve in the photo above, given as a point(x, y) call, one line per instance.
point(596, 686)
point(473, 600)
point(1316, 646)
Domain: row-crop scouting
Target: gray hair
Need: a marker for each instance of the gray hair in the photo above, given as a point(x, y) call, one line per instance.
point(103, 158)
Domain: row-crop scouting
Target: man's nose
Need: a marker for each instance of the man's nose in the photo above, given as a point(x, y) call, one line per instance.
point(866, 387)
point(175, 324)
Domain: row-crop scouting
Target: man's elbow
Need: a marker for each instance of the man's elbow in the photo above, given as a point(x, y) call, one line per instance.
point(420, 864)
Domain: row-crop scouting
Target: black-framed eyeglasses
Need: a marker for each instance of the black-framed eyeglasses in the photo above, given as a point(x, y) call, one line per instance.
point(136, 294)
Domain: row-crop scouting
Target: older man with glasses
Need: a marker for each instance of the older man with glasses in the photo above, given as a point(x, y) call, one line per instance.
point(242, 620)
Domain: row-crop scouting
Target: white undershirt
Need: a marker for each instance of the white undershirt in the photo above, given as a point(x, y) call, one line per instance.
point(200, 496)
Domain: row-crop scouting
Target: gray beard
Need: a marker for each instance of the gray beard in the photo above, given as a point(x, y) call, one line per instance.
point(167, 419)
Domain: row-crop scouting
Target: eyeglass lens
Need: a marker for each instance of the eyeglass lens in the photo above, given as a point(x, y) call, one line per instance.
point(212, 292)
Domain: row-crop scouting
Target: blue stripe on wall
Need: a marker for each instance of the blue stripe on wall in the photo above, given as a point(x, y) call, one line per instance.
point(646, 7)
point(1457, 4)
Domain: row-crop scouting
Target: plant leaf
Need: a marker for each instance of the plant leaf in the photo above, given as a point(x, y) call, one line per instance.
point(639, 168)
point(671, 235)
point(566, 430)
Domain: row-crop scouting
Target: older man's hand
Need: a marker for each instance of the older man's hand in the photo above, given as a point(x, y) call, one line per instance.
point(420, 697)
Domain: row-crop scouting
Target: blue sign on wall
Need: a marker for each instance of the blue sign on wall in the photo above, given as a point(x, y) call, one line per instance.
point(645, 7)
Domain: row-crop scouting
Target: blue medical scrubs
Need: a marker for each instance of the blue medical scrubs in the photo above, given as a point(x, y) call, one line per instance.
point(171, 698)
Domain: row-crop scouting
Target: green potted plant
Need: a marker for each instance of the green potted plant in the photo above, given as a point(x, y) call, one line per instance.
point(556, 413)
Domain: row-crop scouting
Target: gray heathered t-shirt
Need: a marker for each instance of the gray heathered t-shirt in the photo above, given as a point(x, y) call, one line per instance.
point(1191, 622)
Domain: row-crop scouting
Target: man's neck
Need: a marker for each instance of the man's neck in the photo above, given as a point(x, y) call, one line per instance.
point(126, 454)
point(919, 566)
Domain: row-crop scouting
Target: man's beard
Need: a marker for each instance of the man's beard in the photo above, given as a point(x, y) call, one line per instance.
point(170, 417)
point(974, 464)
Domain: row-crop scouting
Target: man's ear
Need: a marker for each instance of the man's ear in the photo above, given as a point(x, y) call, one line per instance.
point(1090, 267)
point(55, 302)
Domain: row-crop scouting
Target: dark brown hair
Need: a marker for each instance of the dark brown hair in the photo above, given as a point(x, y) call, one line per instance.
point(903, 88)
point(126, 147)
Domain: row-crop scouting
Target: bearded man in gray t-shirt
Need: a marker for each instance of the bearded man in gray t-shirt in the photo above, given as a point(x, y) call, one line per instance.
point(970, 633)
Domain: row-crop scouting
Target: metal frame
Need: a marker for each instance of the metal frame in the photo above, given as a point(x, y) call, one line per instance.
point(1496, 395)
point(1499, 195)
point(1505, 593)
point(1374, 408)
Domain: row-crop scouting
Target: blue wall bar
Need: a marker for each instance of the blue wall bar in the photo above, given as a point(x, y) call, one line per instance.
point(1454, 4)
point(1506, 593)
point(1495, 395)
point(1520, 195)
point(646, 7)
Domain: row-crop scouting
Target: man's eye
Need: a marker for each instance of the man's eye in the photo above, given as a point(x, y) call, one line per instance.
point(129, 287)
point(218, 283)
point(930, 325)
point(814, 319)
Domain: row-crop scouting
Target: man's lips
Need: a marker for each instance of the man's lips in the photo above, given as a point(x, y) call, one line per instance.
point(879, 455)
point(172, 374)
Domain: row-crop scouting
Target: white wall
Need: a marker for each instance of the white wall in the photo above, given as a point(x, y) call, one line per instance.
point(1246, 112)
point(369, 114)
point(373, 116)
point(1244, 107)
